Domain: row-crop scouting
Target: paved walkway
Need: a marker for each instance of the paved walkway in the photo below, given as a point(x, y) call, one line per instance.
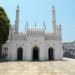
point(38, 68)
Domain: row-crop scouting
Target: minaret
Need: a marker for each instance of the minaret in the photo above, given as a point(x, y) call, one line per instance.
point(54, 19)
point(17, 20)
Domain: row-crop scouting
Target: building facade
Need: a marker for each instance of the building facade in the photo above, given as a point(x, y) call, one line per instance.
point(69, 49)
point(35, 43)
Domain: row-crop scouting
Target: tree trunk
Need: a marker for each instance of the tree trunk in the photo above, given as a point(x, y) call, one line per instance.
point(0, 50)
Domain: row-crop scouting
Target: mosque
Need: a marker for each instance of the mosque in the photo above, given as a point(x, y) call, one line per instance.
point(34, 44)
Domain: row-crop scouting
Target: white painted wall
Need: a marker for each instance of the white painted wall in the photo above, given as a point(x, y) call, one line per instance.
point(29, 41)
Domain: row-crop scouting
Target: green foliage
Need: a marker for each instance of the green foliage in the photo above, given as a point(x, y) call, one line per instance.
point(4, 26)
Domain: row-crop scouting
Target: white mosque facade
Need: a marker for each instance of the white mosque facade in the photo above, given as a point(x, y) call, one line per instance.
point(35, 43)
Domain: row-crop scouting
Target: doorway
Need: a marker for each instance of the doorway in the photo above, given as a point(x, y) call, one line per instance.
point(19, 53)
point(50, 54)
point(35, 54)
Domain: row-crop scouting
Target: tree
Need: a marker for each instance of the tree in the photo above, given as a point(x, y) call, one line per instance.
point(4, 27)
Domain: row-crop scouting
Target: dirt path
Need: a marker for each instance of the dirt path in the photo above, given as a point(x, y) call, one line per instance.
point(38, 68)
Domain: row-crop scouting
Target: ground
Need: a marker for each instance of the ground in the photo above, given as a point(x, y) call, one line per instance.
point(64, 67)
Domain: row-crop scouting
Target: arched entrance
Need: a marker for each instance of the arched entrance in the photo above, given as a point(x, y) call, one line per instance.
point(19, 53)
point(35, 54)
point(50, 54)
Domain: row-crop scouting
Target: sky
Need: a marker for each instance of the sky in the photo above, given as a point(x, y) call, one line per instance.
point(41, 10)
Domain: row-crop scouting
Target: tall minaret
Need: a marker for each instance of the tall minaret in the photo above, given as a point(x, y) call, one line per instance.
point(54, 19)
point(17, 20)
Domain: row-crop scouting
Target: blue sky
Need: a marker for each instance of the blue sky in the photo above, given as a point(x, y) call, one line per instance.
point(40, 10)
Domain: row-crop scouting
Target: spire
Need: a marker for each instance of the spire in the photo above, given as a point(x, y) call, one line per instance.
point(44, 25)
point(17, 20)
point(14, 27)
point(60, 31)
point(26, 26)
point(60, 27)
point(54, 19)
point(57, 27)
point(35, 23)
